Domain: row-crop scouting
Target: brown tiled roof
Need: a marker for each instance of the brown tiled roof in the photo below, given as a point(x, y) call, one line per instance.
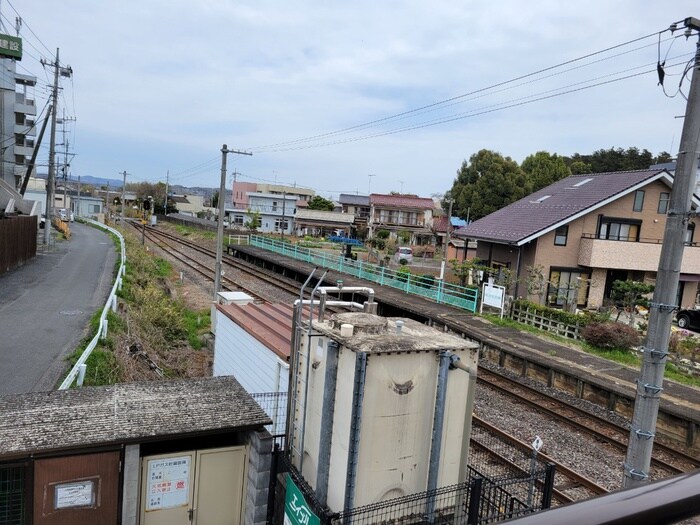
point(557, 204)
point(440, 224)
point(400, 201)
point(124, 413)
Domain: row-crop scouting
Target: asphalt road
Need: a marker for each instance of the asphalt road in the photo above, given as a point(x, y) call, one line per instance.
point(46, 305)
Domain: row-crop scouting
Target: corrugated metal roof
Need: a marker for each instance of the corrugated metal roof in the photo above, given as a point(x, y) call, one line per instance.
point(400, 201)
point(325, 216)
point(557, 204)
point(269, 323)
point(353, 200)
point(124, 413)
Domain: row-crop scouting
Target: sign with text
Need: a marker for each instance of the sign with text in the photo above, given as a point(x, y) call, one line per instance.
point(10, 46)
point(493, 295)
point(168, 483)
point(75, 494)
point(296, 510)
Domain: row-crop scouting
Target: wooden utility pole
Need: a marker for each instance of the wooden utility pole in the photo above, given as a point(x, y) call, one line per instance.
point(222, 212)
point(650, 382)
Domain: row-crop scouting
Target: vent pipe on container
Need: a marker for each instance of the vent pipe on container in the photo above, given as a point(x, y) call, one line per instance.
point(327, 412)
point(399, 326)
point(358, 393)
point(438, 421)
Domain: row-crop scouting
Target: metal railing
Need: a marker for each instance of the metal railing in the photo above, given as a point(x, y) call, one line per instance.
point(425, 286)
point(111, 301)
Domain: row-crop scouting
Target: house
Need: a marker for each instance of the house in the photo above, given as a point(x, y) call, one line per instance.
point(320, 223)
point(583, 233)
point(276, 211)
point(242, 190)
point(406, 214)
point(188, 204)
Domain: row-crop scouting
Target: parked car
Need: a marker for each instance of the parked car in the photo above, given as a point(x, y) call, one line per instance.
point(688, 319)
point(404, 253)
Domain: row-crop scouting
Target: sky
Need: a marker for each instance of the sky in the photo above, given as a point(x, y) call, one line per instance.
point(328, 95)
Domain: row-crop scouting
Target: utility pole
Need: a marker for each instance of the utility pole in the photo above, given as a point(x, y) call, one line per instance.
point(121, 220)
point(233, 189)
point(284, 202)
point(167, 180)
point(77, 211)
point(52, 150)
point(369, 184)
point(222, 211)
point(51, 183)
point(650, 382)
point(447, 240)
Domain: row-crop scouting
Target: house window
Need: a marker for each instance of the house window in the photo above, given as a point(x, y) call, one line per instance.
point(688, 240)
point(280, 225)
point(619, 229)
point(274, 205)
point(94, 208)
point(663, 202)
point(560, 235)
point(567, 286)
point(638, 200)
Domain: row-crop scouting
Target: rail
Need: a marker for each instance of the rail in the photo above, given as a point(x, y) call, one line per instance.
point(425, 286)
point(111, 301)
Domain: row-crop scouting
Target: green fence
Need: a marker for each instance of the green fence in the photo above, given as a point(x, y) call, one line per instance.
point(434, 289)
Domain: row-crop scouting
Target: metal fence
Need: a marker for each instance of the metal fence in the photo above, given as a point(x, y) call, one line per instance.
point(275, 405)
point(111, 301)
point(425, 286)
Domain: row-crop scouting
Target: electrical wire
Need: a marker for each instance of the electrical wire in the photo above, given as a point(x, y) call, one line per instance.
point(455, 98)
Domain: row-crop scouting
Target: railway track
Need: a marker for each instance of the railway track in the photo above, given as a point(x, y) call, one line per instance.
point(669, 460)
point(569, 485)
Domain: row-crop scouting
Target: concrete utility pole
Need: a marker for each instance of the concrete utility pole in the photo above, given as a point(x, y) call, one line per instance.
point(77, 211)
point(52, 151)
point(447, 240)
point(284, 202)
point(222, 212)
point(121, 219)
point(650, 382)
point(165, 204)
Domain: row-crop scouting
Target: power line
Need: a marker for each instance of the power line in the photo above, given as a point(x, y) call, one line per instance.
point(455, 98)
point(24, 24)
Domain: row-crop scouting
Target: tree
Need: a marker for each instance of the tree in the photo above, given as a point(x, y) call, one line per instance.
point(630, 294)
point(543, 169)
point(580, 168)
point(252, 221)
point(319, 203)
point(215, 200)
point(487, 183)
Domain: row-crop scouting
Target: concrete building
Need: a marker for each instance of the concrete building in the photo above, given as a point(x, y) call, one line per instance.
point(17, 124)
point(584, 233)
point(276, 211)
point(319, 223)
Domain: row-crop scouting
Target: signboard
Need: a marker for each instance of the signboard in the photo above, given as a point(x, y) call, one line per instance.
point(10, 46)
point(76, 494)
point(493, 295)
point(168, 483)
point(296, 510)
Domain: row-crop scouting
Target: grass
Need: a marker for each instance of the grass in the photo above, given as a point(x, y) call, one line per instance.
point(197, 324)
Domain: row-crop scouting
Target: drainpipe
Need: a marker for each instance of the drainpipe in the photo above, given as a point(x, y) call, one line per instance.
point(460, 503)
point(438, 421)
point(327, 410)
point(358, 393)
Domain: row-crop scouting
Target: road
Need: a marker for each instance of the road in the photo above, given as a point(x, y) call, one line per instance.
point(46, 305)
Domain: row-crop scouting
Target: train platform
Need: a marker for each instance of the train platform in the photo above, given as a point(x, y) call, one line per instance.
point(594, 378)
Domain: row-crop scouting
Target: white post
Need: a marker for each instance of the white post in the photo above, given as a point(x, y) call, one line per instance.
point(105, 326)
point(81, 374)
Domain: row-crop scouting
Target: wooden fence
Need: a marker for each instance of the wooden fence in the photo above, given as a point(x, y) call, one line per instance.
point(541, 320)
point(17, 241)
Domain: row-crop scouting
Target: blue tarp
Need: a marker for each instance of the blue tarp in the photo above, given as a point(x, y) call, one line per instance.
point(344, 240)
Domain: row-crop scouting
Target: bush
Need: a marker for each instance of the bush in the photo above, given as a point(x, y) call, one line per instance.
point(611, 336)
point(403, 273)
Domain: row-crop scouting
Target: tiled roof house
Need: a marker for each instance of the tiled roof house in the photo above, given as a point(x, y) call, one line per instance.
point(585, 232)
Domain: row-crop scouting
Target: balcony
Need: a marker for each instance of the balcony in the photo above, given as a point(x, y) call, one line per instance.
point(641, 256)
point(24, 105)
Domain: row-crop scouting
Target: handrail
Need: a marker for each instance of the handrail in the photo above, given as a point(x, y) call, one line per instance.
point(68, 381)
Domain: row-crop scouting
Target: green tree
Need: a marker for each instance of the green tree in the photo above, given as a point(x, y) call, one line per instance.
point(544, 168)
point(252, 221)
point(215, 200)
point(630, 294)
point(319, 203)
point(486, 183)
point(580, 168)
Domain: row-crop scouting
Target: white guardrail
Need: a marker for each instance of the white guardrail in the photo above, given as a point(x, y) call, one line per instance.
point(111, 301)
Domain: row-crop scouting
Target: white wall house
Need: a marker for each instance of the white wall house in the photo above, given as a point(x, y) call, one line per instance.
point(276, 211)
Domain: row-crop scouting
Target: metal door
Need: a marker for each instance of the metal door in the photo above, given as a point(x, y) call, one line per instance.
point(77, 490)
point(166, 488)
point(203, 487)
point(220, 486)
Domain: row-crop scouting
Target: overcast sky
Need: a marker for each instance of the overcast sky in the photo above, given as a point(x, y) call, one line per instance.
point(160, 85)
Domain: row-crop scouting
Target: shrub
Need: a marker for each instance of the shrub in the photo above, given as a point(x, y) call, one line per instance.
point(403, 273)
point(610, 336)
